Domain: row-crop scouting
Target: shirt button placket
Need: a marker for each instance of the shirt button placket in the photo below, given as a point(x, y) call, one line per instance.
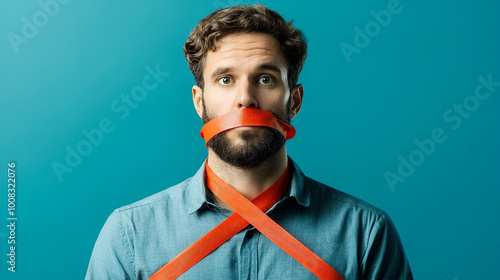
point(248, 264)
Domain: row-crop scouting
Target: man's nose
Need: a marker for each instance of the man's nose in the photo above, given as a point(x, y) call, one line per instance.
point(247, 95)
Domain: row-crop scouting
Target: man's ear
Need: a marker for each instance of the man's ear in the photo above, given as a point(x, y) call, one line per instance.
point(297, 95)
point(197, 100)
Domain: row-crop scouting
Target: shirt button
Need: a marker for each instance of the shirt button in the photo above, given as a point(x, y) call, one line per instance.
point(250, 233)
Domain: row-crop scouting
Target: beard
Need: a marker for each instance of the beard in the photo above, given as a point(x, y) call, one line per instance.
point(257, 147)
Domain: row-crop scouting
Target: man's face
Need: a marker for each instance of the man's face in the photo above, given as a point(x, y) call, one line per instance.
point(246, 71)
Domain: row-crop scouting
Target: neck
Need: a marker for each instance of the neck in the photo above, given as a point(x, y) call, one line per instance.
point(250, 182)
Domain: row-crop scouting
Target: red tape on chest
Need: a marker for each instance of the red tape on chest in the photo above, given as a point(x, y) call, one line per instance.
point(247, 212)
point(245, 117)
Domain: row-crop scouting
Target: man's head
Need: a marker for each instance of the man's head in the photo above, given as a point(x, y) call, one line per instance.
point(246, 57)
point(245, 19)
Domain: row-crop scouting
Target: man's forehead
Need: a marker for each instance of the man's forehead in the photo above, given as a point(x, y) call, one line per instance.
point(251, 39)
point(258, 48)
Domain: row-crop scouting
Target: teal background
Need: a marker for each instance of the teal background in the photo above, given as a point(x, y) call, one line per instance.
point(358, 117)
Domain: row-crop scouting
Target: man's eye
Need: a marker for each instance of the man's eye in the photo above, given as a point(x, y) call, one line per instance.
point(266, 80)
point(224, 81)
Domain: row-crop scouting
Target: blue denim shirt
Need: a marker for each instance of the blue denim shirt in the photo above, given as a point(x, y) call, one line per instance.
point(357, 239)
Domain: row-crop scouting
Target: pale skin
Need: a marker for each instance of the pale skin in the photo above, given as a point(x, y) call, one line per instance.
point(246, 71)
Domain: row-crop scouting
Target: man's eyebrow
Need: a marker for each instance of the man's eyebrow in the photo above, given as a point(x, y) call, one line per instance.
point(269, 66)
point(220, 71)
point(223, 70)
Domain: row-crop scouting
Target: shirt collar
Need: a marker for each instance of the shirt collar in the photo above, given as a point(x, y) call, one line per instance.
point(300, 188)
point(197, 195)
point(196, 192)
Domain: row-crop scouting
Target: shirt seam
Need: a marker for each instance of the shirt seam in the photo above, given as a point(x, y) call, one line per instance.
point(145, 204)
point(375, 228)
point(127, 245)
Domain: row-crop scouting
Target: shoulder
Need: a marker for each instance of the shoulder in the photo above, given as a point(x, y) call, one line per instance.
point(330, 201)
point(174, 194)
point(351, 215)
point(340, 209)
point(330, 195)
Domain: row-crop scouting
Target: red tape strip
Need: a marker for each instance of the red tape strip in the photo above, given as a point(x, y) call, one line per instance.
point(271, 229)
point(245, 117)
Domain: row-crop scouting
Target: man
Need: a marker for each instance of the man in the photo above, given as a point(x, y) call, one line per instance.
point(246, 61)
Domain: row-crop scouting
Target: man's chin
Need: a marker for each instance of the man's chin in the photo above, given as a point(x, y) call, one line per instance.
point(247, 134)
point(251, 148)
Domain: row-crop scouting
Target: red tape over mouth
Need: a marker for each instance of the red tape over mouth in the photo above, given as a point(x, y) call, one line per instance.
point(245, 117)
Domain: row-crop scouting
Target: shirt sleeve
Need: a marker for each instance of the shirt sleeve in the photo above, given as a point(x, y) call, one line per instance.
point(112, 257)
point(385, 257)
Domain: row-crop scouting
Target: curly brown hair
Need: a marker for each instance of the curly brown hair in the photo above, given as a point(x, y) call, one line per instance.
point(245, 19)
